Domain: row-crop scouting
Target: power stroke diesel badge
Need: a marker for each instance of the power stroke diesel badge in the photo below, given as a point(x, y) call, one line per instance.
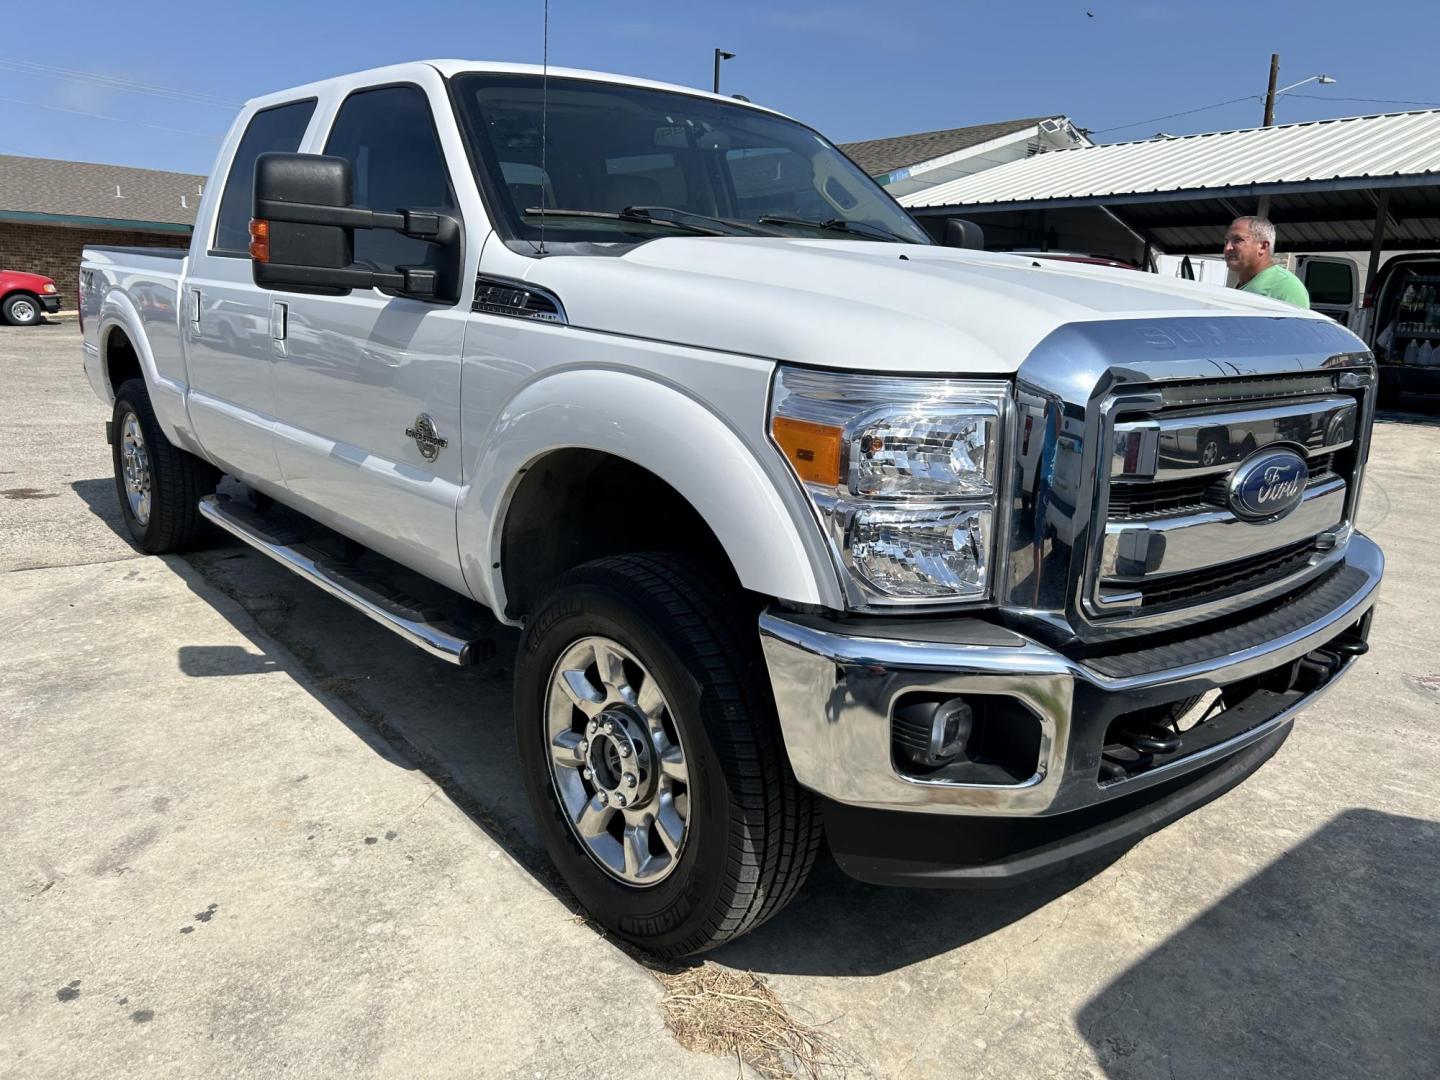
point(1268, 484)
point(427, 437)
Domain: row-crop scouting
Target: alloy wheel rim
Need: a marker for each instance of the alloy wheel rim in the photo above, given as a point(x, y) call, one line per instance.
point(617, 763)
point(23, 310)
point(135, 469)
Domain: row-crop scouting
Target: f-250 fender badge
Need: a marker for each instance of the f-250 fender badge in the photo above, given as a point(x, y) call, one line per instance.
point(427, 437)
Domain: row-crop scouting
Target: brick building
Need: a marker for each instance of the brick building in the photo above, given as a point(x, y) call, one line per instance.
point(49, 210)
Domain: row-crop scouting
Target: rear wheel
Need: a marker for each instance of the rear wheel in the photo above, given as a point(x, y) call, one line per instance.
point(159, 485)
point(21, 310)
point(653, 759)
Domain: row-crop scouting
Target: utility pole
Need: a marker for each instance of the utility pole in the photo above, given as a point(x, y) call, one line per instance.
point(1263, 208)
point(721, 54)
point(1270, 94)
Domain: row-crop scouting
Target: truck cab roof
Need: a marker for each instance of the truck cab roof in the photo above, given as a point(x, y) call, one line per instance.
point(449, 68)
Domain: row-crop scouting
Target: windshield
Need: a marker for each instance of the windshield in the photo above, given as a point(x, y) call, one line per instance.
point(720, 168)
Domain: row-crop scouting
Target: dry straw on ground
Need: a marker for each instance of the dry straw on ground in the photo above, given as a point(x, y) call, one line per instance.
point(735, 1014)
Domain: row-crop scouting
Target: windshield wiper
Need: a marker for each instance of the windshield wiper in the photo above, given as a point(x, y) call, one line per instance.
point(630, 213)
point(858, 228)
point(680, 217)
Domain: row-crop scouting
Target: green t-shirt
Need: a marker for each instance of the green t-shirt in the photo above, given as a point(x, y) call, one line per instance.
point(1279, 284)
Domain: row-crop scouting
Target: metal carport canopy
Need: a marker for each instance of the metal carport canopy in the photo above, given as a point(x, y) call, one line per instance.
point(1329, 184)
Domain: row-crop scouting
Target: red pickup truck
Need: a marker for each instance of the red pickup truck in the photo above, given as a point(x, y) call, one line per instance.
point(24, 296)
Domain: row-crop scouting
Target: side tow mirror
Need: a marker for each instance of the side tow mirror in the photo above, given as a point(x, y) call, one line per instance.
point(302, 233)
point(960, 233)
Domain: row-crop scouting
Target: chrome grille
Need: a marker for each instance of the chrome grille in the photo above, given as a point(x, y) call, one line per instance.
point(1170, 539)
point(1160, 593)
point(1130, 500)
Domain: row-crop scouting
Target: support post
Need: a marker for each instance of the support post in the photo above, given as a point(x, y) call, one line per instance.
point(1377, 239)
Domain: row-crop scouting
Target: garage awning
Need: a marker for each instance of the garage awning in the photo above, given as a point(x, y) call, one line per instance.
point(1325, 182)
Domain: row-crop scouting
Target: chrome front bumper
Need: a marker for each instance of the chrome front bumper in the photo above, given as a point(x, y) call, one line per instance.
point(836, 685)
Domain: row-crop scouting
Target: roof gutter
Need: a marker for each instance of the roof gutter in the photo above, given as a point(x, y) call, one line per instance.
point(77, 221)
point(1287, 187)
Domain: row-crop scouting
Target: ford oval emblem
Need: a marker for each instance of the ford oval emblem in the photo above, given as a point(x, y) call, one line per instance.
point(1268, 484)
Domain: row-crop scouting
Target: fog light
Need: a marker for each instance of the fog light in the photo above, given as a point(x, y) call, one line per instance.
point(933, 733)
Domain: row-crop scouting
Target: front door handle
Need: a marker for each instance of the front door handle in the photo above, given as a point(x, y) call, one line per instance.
point(195, 308)
point(279, 320)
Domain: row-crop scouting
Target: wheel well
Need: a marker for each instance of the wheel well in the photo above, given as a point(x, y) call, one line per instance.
point(121, 360)
point(19, 292)
point(577, 505)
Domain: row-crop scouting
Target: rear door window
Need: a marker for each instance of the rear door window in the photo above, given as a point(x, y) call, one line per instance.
point(1330, 282)
point(389, 136)
point(274, 130)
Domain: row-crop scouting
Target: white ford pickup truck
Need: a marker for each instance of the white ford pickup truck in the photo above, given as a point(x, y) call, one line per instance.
point(973, 565)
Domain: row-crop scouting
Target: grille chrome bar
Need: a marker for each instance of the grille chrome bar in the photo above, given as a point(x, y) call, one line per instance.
point(1150, 548)
point(1172, 447)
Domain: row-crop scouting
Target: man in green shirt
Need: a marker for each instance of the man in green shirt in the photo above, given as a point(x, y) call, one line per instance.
point(1250, 252)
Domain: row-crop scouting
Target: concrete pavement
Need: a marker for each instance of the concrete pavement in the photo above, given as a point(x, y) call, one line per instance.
point(208, 730)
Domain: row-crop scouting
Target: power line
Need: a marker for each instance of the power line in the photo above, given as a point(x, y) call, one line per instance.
point(115, 119)
point(114, 82)
point(1367, 100)
point(1172, 116)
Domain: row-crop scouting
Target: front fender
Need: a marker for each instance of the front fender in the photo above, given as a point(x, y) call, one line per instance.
point(770, 537)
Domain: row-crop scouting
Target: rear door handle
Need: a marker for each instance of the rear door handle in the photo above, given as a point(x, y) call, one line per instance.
point(195, 308)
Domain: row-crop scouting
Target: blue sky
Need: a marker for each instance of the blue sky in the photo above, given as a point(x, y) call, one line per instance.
point(854, 70)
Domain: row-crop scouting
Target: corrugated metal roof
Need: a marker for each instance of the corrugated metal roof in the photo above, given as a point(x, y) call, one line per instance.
point(1393, 144)
point(82, 189)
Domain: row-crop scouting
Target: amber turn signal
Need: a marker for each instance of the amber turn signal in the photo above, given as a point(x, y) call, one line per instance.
point(259, 240)
point(813, 449)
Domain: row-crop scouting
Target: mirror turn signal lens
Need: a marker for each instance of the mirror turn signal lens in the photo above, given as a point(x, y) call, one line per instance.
point(813, 449)
point(259, 240)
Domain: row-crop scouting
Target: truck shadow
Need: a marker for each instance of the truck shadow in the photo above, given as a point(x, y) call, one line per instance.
point(455, 725)
point(843, 927)
point(1323, 964)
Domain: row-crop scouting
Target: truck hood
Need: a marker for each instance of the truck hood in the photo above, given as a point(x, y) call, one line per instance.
point(19, 279)
point(857, 304)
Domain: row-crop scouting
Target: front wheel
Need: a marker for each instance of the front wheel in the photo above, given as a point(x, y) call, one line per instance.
point(652, 756)
point(21, 310)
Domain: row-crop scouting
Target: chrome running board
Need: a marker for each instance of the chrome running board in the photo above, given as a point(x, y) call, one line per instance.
point(440, 635)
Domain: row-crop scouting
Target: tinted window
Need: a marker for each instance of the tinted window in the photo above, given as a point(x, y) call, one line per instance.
point(389, 136)
point(278, 130)
point(1330, 282)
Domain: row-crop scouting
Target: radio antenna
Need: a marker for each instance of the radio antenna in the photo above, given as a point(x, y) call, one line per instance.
point(544, 119)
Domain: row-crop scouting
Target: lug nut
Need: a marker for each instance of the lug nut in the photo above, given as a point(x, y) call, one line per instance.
point(609, 727)
point(587, 774)
point(582, 749)
point(619, 800)
point(624, 749)
point(630, 780)
point(604, 799)
point(592, 727)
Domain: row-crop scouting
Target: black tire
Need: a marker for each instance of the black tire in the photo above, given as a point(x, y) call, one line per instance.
point(178, 480)
point(752, 832)
point(21, 309)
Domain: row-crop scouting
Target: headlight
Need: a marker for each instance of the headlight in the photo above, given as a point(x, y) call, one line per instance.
point(903, 471)
point(48, 287)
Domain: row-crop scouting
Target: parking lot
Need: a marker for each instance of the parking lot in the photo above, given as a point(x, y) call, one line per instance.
point(248, 831)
